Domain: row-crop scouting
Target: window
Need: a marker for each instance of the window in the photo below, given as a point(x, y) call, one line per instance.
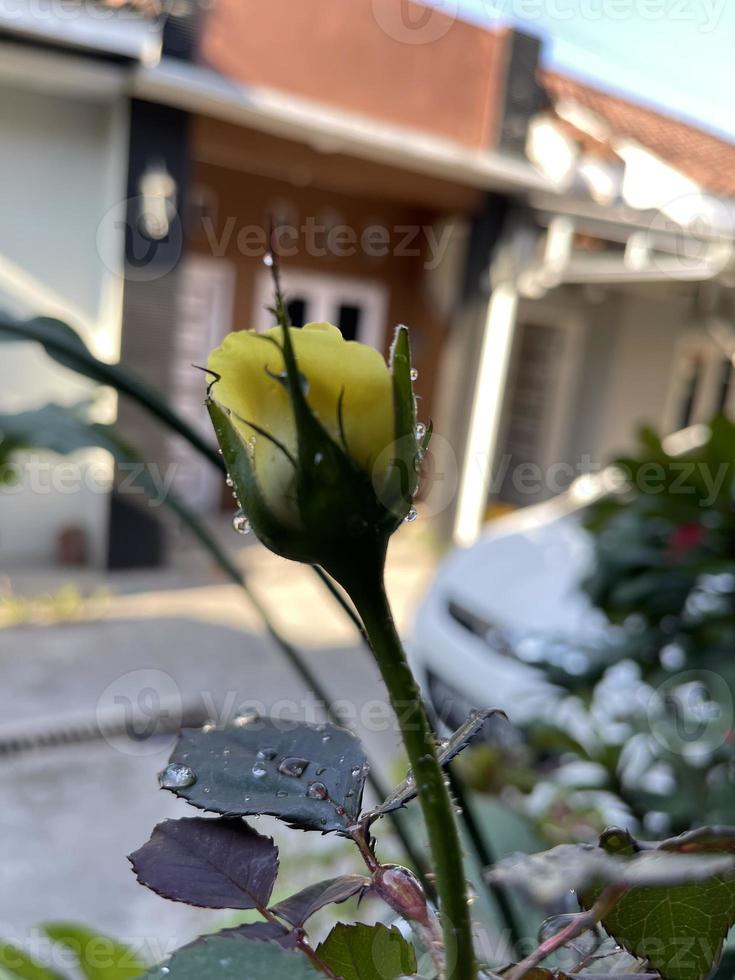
point(358, 307)
point(702, 383)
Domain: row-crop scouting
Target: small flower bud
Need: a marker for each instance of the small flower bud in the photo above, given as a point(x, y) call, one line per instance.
point(400, 889)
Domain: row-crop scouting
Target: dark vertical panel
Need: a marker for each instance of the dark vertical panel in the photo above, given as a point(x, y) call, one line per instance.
point(158, 146)
point(524, 96)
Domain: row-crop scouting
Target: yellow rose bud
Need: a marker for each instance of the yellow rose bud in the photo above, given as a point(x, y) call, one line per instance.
point(324, 463)
point(251, 386)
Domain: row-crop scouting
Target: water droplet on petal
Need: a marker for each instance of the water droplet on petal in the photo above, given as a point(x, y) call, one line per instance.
point(258, 771)
point(240, 522)
point(420, 431)
point(176, 776)
point(317, 791)
point(414, 374)
point(266, 753)
point(411, 515)
point(293, 766)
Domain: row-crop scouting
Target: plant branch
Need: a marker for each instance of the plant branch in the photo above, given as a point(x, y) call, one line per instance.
point(608, 898)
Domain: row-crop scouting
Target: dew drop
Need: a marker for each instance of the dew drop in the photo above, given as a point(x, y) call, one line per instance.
point(356, 770)
point(258, 771)
point(420, 431)
point(411, 515)
point(207, 727)
point(266, 753)
point(326, 738)
point(414, 374)
point(320, 770)
point(165, 970)
point(243, 720)
point(176, 776)
point(317, 791)
point(318, 457)
point(229, 481)
point(268, 260)
point(281, 793)
point(240, 522)
point(293, 766)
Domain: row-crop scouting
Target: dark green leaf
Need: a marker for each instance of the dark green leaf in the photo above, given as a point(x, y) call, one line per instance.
point(66, 347)
point(234, 958)
point(301, 906)
point(264, 932)
point(363, 952)
point(99, 957)
point(311, 776)
point(216, 864)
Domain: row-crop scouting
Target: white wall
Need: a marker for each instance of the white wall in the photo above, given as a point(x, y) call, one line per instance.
point(62, 168)
point(641, 364)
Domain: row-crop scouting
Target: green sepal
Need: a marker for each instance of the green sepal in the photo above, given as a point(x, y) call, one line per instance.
point(236, 454)
point(403, 476)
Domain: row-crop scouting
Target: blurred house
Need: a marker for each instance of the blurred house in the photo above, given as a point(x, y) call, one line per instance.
point(562, 256)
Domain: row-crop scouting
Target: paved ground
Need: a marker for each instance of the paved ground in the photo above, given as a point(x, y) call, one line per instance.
point(70, 814)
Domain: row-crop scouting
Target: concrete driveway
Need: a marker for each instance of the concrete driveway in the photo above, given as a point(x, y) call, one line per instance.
point(69, 814)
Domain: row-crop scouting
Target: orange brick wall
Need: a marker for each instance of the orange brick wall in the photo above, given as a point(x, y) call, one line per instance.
point(358, 55)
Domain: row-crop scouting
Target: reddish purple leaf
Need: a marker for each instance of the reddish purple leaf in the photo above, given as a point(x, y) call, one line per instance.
point(299, 907)
point(215, 864)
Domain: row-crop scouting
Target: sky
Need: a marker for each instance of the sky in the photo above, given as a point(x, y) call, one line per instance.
point(677, 55)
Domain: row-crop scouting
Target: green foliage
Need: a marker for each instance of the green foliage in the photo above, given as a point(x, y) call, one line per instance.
point(680, 929)
point(15, 964)
point(360, 952)
point(234, 958)
point(99, 957)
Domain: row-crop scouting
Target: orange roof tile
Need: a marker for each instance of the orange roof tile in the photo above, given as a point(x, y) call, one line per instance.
point(705, 158)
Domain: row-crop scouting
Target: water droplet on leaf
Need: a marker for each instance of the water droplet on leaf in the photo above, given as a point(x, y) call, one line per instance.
point(317, 791)
point(176, 776)
point(258, 771)
point(240, 522)
point(266, 753)
point(293, 766)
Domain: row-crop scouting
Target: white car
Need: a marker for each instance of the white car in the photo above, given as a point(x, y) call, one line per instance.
point(516, 589)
